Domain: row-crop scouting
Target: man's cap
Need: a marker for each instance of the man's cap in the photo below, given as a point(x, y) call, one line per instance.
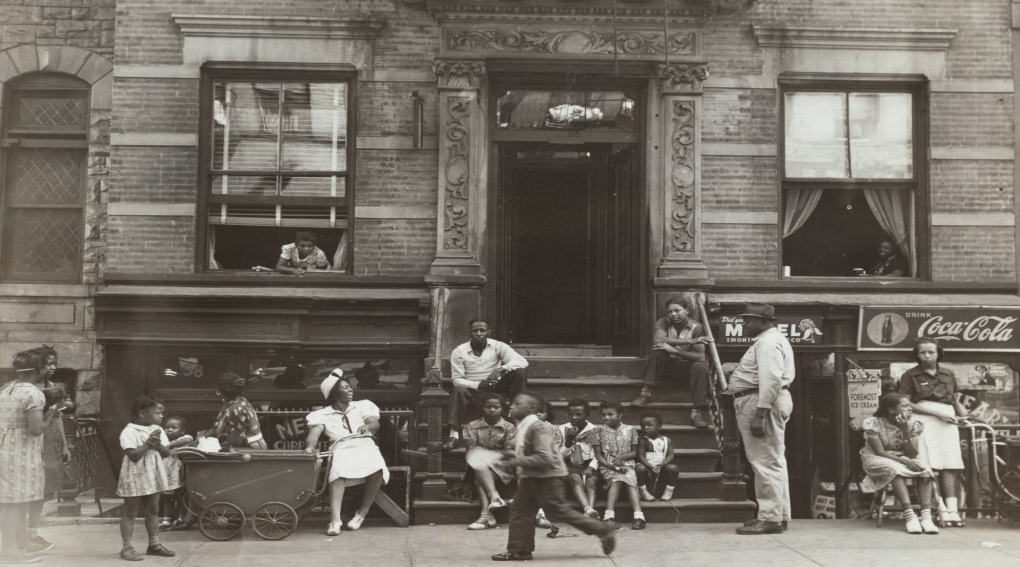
point(762, 310)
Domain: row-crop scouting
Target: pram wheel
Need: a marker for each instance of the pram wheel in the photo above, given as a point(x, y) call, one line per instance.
point(221, 521)
point(274, 521)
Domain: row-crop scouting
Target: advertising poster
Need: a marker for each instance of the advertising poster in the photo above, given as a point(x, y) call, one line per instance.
point(798, 330)
point(992, 329)
point(987, 390)
point(862, 397)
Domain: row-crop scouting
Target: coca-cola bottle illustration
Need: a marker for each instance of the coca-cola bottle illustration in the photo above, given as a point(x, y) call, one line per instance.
point(887, 330)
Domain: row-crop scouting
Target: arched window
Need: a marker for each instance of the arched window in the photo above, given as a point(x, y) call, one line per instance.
point(44, 160)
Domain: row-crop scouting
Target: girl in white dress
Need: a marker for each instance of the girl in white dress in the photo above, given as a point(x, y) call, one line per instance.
point(143, 475)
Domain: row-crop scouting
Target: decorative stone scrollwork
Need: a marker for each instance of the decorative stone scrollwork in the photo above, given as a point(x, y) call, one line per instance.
point(574, 42)
point(457, 169)
point(683, 78)
point(682, 176)
point(466, 74)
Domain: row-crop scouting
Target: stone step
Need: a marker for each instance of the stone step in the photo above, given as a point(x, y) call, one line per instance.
point(600, 388)
point(689, 484)
point(530, 351)
point(585, 367)
point(688, 459)
point(678, 510)
point(678, 413)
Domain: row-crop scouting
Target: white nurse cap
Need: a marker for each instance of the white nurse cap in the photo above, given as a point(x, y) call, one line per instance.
point(330, 381)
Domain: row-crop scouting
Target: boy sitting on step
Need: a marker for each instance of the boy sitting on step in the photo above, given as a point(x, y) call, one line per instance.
point(494, 433)
point(655, 459)
point(576, 447)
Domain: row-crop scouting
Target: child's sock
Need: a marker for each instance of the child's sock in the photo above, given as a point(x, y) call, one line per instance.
point(33, 532)
point(639, 515)
point(153, 540)
point(909, 514)
point(668, 493)
point(646, 391)
point(126, 544)
point(454, 434)
point(951, 504)
point(609, 515)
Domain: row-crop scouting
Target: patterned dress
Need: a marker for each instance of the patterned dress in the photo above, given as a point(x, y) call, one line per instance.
point(146, 475)
point(174, 466)
point(614, 443)
point(499, 437)
point(882, 470)
point(21, 468)
point(315, 260)
point(238, 424)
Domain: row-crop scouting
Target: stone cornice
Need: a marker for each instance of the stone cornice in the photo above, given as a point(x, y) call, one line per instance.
point(591, 12)
point(205, 25)
point(853, 38)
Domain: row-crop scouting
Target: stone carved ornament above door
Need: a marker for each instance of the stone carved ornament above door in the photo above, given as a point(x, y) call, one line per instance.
point(573, 42)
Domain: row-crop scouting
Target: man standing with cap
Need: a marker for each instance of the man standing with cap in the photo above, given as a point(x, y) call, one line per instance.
point(760, 386)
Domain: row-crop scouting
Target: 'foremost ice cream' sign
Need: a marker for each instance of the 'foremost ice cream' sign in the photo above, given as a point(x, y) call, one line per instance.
point(956, 328)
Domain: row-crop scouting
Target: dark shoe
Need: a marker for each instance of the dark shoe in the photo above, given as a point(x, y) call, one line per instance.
point(697, 420)
point(755, 521)
point(638, 524)
point(36, 544)
point(513, 556)
point(450, 444)
point(129, 554)
point(641, 401)
point(608, 543)
point(159, 551)
point(761, 528)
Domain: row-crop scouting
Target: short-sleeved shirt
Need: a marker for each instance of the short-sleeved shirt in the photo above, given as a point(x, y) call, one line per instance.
point(134, 436)
point(923, 387)
point(890, 435)
point(332, 419)
point(890, 265)
point(498, 437)
point(316, 259)
point(239, 422)
point(690, 330)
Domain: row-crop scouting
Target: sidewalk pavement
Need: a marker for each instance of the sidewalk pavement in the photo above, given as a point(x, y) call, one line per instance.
point(808, 543)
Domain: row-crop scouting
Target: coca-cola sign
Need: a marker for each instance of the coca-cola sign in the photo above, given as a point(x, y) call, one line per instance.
point(994, 329)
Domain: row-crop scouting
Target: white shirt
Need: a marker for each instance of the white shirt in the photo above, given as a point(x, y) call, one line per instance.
point(581, 452)
point(768, 365)
point(134, 435)
point(469, 370)
point(332, 420)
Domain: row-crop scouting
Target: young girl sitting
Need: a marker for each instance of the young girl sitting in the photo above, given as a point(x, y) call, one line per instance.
point(890, 456)
point(655, 459)
point(143, 475)
point(301, 256)
point(616, 446)
point(171, 503)
point(496, 434)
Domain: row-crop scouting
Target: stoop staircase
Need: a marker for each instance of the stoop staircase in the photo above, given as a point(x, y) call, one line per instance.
point(710, 487)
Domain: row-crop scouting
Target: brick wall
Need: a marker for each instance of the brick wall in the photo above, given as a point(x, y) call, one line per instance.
point(397, 177)
point(397, 247)
point(740, 116)
point(155, 105)
point(739, 184)
point(157, 245)
point(740, 251)
point(154, 174)
point(965, 253)
point(961, 186)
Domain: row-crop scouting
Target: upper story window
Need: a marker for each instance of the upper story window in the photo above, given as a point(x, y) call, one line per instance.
point(852, 161)
point(278, 159)
point(44, 160)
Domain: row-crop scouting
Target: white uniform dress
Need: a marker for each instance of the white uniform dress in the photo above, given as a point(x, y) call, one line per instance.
point(357, 458)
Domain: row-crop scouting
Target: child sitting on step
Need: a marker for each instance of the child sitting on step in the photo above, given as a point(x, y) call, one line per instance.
point(655, 459)
point(494, 433)
point(616, 446)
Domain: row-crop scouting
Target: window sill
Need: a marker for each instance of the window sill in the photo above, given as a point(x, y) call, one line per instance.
point(266, 279)
point(43, 290)
point(858, 285)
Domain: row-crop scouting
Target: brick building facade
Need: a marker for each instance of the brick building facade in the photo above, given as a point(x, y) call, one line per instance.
point(715, 116)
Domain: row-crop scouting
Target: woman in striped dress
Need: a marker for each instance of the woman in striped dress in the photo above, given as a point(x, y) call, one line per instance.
point(22, 423)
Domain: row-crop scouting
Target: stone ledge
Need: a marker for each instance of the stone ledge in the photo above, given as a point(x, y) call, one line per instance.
point(209, 25)
point(853, 38)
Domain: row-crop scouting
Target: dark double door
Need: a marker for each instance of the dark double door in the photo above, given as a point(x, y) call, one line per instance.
point(569, 221)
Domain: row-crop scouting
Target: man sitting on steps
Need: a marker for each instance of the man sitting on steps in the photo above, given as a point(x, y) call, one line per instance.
point(479, 366)
point(678, 346)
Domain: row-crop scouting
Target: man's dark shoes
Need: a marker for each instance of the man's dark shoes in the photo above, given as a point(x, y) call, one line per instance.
point(159, 551)
point(608, 543)
point(698, 420)
point(638, 524)
point(513, 556)
point(761, 528)
point(450, 444)
point(755, 521)
point(641, 401)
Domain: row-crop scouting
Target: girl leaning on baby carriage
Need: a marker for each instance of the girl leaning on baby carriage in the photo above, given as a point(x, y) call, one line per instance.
point(890, 456)
point(143, 475)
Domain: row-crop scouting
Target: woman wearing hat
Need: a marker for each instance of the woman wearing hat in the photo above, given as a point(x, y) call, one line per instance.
point(349, 425)
point(237, 424)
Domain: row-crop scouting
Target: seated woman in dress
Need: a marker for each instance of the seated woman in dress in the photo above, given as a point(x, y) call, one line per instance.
point(932, 391)
point(891, 455)
point(237, 424)
point(890, 263)
point(356, 459)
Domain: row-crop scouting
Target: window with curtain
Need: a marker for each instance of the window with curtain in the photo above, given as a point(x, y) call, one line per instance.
point(45, 148)
point(850, 178)
point(278, 159)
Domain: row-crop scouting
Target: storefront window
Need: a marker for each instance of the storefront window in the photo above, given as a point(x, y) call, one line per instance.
point(184, 370)
point(366, 373)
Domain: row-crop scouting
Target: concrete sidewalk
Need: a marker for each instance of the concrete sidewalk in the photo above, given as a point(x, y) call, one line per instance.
point(808, 543)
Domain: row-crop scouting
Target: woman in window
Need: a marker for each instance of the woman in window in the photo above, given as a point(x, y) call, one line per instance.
point(350, 426)
point(890, 264)
point(932, 391)
point(237, 424)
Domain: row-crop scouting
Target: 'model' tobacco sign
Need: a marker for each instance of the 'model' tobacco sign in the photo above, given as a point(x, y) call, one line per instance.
point(956, 328)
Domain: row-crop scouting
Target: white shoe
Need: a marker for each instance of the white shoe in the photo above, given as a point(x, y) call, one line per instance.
point(667, 494)
point(496, 502)
point(928, 526)
point(482, 523)
point(334, 529)
point(913, 526)
point(542, 522)
point(646, 496)
point(355, 522)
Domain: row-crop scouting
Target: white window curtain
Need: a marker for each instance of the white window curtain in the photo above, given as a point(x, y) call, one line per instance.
point(211, 238)
point(800, 203)
point(892, 209)
point(340, 257)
